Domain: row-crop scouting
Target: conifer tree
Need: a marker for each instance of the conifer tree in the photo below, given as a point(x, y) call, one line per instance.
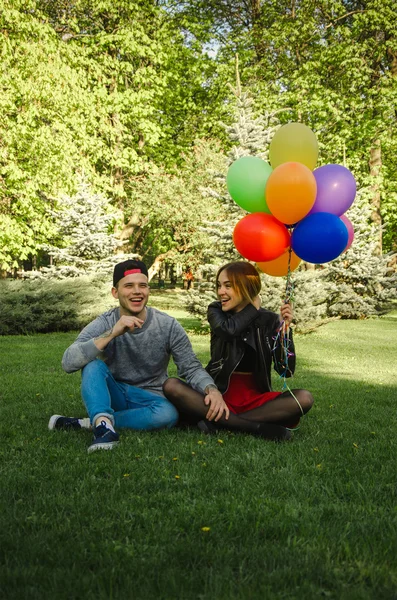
point(85, 243)
point(361, 283)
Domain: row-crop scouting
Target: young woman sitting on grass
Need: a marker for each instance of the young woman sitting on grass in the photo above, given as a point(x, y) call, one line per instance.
point(242, 350)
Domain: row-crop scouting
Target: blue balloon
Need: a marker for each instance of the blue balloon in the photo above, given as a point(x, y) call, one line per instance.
point(319, 238)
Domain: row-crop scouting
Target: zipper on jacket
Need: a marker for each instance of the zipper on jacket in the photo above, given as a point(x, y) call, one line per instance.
point(263, 357)
point(231, 373)
point(217, 366)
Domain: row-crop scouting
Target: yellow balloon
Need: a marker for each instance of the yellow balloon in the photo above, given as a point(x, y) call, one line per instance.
point(279, 266)
point(294, 142)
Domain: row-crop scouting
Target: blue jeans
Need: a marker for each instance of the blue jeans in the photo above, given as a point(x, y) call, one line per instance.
point(125, 405)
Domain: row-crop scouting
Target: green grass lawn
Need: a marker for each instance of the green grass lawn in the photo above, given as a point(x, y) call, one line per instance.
point(176, 515)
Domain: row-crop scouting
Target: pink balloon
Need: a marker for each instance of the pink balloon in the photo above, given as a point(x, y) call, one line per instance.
point(350, 231)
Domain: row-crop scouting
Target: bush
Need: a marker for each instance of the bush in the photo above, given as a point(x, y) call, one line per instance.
point(29, 307)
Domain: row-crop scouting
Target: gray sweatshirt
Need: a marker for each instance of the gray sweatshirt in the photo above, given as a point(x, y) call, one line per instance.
point(140, 357)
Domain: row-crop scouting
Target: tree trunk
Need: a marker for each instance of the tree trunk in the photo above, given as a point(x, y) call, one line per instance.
point(375, 164)
point(158, 261)
point(257, 26)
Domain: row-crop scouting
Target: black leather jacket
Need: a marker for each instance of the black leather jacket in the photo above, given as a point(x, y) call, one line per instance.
point(229, 333)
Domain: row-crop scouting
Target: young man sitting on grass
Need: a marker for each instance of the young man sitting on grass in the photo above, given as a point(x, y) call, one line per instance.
point(124, 355)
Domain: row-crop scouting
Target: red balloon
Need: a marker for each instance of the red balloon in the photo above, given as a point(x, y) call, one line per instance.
point(260, 237)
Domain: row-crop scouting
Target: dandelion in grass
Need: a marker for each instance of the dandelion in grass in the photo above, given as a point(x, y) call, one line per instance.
point(315, 449)
point(177, 476)
point(220, 441)
point(206, 529)
point(355, 445)
point(194, 454)
point(319, 466)
point(175, 458)
point(126, 475)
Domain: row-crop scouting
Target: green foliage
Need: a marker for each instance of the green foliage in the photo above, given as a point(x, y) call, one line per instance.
point(29, 307)
point(165, 213)
point(70, 303)
point(109, 88)
point(333, 65)
point(121, 90)
point(41, 134)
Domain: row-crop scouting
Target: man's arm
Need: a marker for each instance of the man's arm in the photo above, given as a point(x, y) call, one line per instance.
point(188, 365)
point(94, 339)
point(190, 368)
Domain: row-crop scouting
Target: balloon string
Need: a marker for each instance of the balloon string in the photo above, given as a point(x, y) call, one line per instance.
point(283, 336)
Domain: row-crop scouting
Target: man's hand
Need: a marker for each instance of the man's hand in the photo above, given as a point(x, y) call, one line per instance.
point(126, 323)
point(123, 325)
point(217, 405)
point(286, 313)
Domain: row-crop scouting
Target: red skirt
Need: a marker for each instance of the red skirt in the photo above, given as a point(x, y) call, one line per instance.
point(242, 394)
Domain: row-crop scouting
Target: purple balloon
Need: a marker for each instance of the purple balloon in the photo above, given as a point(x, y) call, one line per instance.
point(336, 190)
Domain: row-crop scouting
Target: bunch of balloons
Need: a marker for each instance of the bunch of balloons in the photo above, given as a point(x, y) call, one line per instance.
point(295, 213)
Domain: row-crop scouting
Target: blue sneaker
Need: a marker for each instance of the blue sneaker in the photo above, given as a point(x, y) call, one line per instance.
point(68, 423)
point(104, 438)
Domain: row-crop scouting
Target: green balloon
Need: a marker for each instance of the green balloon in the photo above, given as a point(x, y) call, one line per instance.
point(246, 181)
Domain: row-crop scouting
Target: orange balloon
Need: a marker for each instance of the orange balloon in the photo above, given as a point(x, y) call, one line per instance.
point(291, 192)
point(279, 266)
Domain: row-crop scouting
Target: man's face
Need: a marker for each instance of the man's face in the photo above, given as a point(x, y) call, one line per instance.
point(132, 292)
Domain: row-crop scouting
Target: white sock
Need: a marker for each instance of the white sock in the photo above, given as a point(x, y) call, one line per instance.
point(107, 424)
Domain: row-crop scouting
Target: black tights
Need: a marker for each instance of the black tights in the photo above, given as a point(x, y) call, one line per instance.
point(276, 413)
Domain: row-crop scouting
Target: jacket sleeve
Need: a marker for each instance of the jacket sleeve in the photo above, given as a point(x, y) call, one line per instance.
point(188, 365)
point(230, 325)
point(83, 350)
point(284, 353)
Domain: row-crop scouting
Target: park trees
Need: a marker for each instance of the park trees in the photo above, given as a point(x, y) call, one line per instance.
point(110, 89)
point(44, 137)
point(121, 90)
point(333, 64)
